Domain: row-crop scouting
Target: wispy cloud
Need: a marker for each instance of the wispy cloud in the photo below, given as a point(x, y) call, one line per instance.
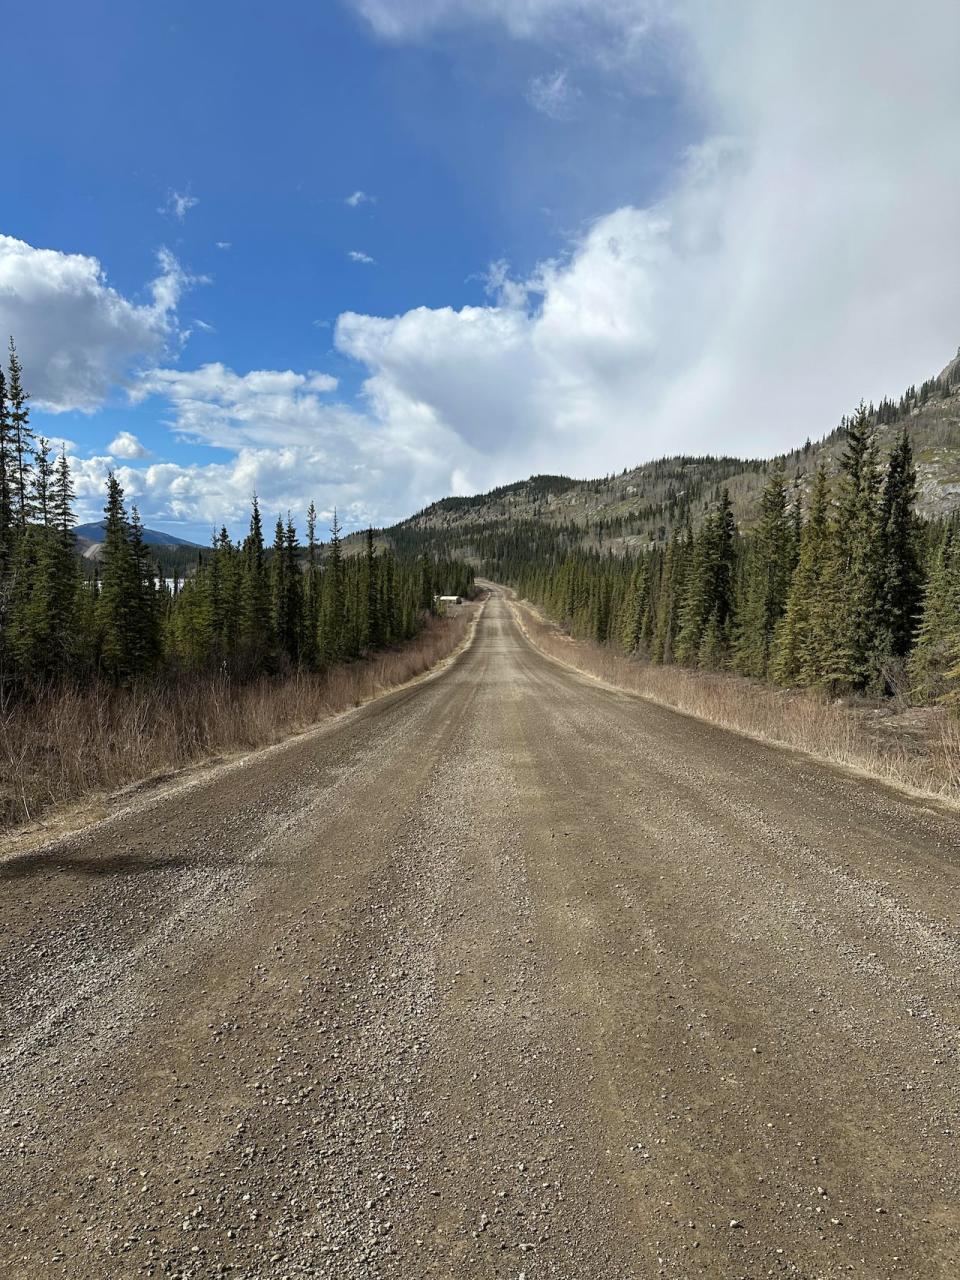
point(178, 204)
point(224, 244)
point(355, 255)
point(358, 198)
point(553, 95)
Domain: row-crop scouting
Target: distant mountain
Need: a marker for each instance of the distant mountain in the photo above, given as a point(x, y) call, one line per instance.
point(642, 505)
point(173, 554)
point(96, 531)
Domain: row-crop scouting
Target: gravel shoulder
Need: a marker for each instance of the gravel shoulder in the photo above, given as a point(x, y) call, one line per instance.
point(504, 974)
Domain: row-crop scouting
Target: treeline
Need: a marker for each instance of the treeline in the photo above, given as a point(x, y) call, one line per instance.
point(843, 588)
point(246, 610)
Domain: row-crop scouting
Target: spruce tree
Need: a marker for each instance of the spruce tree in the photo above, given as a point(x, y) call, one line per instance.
point(145, 604)
point(311, 592)
point(636, 605)
point(333, 605)
point(373, 638)
point(119, 591)
point(62, 498)
point(900, 572)
point(708, 590)
point(43, 478)
point(934, 652)
point(796, 658)
point(21, 437)
point(768, 570)
point(7, 454)
point(847, 613)
point(256, 629)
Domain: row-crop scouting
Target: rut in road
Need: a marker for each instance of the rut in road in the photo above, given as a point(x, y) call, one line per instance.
point(504, 974)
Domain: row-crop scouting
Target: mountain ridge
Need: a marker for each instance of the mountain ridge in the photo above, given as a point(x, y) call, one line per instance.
point(640, 506)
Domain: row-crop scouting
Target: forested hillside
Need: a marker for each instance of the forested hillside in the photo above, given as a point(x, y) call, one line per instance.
point(646, 504)
point(834, 567)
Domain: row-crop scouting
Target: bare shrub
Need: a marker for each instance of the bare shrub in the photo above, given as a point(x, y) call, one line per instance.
point(68, 743)
point(806, 721)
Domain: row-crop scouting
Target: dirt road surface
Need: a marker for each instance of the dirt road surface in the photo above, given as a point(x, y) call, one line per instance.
point(504, 975)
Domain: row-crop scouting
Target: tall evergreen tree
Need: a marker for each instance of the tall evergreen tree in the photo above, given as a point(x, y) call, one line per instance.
point(796, 658)
point(708, 594)
point(768, 570)
point(847, 612)
point(333, 605)
point(7, 454)
point(935, 650)
point(21, 437)
point(43, 477)
point(373, 638)
point(900, 572)
point(62, 498)
point(256, 627)
point(116, 614)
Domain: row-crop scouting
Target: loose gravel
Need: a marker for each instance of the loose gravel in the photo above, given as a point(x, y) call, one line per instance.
point(504, 975)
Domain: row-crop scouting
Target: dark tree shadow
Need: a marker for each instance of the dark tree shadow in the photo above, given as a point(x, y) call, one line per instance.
point(83, 863)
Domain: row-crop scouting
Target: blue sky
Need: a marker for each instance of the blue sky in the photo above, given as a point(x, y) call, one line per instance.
point(579, 224)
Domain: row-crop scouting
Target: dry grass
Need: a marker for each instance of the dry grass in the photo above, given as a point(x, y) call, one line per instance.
point(67, 744)
point(828, 730)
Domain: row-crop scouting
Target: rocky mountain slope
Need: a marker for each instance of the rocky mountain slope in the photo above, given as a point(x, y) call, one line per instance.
point(642, 505)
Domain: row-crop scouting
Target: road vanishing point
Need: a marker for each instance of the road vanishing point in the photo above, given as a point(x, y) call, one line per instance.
point(506, 974)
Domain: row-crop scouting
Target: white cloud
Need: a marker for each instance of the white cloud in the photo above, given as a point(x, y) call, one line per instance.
point(609, 22)
point(358, 198)
point(178, 204)
point(78, 336)
point(126, 445)
point(286, 440)
point(217, 406)
point(355, 255)
point(553, 95)
point(805, 255)
point(224, 244)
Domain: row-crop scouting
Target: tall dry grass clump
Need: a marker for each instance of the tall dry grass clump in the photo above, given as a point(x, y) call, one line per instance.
point(828, 730)
point(65, 744)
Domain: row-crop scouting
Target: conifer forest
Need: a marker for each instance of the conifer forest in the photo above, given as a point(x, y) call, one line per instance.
point(838, 585)
point(245, 610)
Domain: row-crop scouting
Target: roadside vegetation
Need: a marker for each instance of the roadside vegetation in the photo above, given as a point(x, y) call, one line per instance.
point(842, 589)
point(862, 734)
point(839, 603)
point(110, 672)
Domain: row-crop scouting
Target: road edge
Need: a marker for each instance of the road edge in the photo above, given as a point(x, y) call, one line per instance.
point(929, 798)
point(79, 820)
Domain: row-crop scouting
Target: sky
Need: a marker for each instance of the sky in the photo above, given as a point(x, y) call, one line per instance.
point(375, 252)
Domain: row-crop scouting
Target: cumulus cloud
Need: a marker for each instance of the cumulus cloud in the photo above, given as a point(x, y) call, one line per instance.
point(553, 95)
point(804, 256)
point(355, 255)
point(358, 198)
point(217, 406)
point(126, 445)
point(77, 335)
point(223, 244)
point(287, 440)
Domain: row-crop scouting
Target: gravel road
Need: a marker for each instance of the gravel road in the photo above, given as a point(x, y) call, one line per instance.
point(504, 975)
